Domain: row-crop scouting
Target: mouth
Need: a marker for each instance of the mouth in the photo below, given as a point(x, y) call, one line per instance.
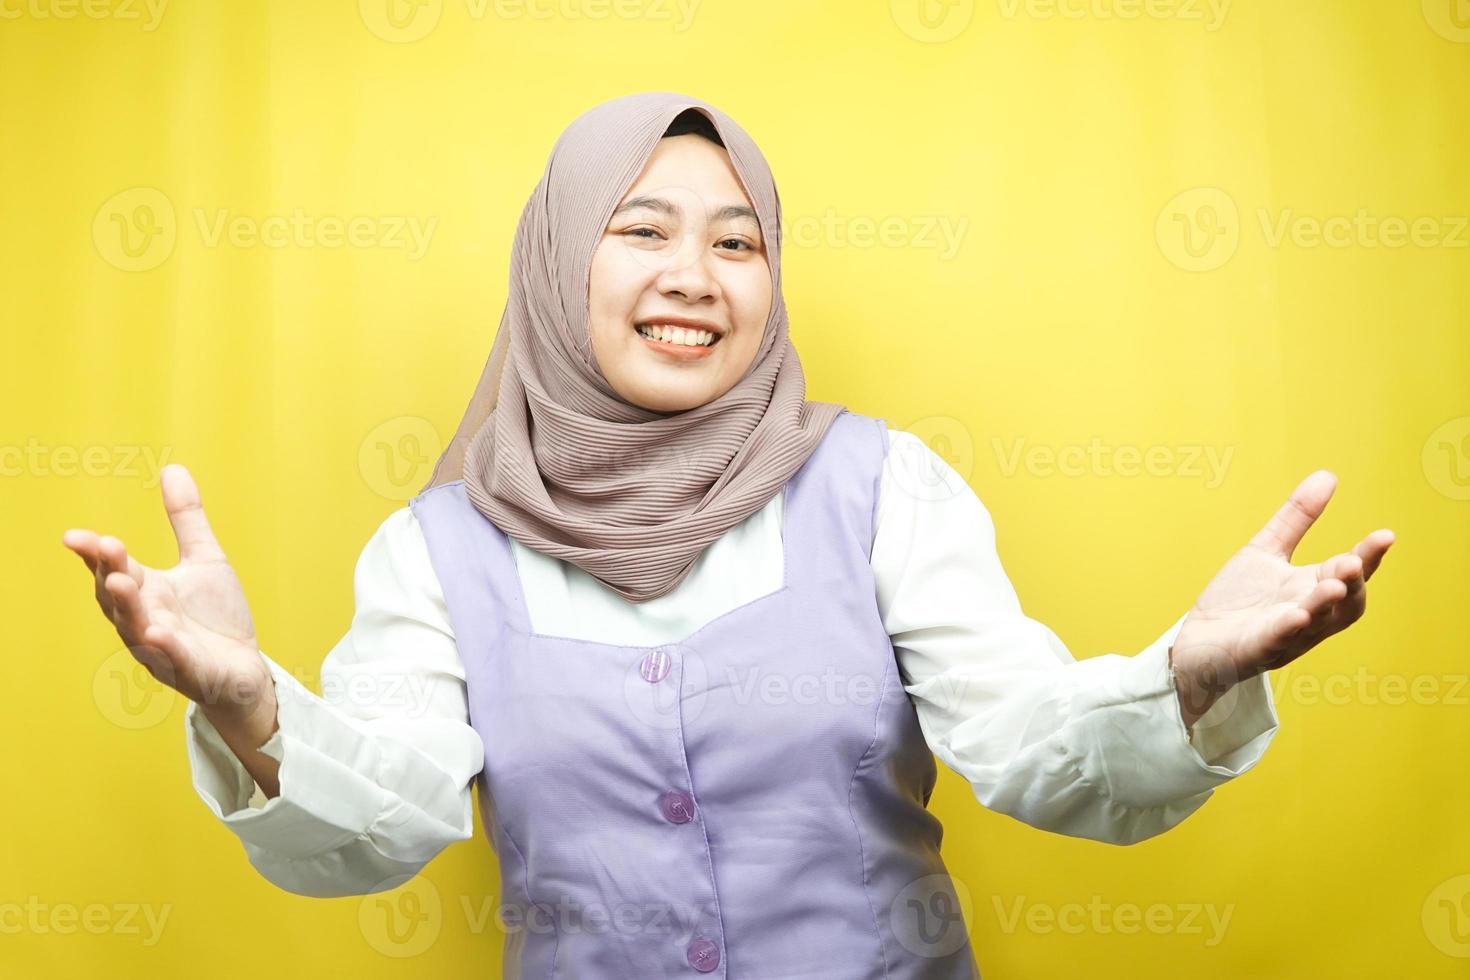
point(679, 336)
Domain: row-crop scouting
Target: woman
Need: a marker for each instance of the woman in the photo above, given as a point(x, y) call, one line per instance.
point(695, 639)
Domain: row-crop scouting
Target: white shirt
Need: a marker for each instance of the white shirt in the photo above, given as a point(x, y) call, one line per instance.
point(376, 773)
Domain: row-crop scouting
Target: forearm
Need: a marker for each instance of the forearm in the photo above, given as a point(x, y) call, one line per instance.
point(244, 731)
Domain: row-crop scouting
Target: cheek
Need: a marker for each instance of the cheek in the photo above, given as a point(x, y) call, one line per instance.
point(750, 297)
point(613, 287)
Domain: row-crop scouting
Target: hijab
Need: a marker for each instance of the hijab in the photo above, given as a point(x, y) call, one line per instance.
point(551, 454)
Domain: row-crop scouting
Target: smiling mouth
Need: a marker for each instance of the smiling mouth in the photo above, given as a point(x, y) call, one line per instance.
point(684, 338)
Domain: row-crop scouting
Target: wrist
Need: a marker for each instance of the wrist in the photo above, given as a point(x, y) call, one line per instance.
point(245, 712)
point(1199, 681)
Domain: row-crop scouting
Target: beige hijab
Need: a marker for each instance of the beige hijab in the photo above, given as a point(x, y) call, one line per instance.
point(551, 454)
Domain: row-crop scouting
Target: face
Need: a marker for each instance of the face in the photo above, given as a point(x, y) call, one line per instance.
point(679, 289)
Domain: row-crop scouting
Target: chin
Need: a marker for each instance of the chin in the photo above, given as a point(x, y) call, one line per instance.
point(672, 405)
point(667, 399)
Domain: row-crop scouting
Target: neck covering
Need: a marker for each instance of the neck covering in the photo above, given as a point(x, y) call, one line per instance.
point(551, 454)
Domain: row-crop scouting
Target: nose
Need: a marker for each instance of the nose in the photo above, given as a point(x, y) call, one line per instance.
point(690, 276)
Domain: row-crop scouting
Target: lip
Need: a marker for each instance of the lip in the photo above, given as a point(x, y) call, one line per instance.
point(680, 352)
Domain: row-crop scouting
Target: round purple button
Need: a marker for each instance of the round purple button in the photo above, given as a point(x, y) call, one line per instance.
point(704, 955)
point(655, 665)
point(677, 807)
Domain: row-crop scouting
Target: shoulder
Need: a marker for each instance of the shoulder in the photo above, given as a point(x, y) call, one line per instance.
point(924, 486)
point(910, 460)
point(397, 552)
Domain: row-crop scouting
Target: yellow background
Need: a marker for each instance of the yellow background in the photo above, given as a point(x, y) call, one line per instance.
point(307, 388)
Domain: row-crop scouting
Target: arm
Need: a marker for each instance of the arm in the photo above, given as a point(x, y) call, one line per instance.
point(375, 775)
point(1095, 748)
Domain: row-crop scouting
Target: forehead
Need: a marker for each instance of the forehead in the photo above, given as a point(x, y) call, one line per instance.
point(685, 171)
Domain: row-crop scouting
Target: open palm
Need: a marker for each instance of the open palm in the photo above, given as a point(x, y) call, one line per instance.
point(1261, 612)
point(189, 625)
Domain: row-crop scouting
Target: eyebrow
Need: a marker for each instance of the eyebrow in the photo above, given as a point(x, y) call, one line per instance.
point(730, 212)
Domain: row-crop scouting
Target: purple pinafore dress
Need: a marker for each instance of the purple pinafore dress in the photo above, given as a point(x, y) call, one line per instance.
point(747, 802)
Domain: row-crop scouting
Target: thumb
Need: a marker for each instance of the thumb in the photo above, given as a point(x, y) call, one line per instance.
point(186, 514)
point(1284, 531)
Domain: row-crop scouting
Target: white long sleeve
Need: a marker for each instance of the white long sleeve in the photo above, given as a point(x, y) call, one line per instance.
point(375, 776)
point(1095, 748)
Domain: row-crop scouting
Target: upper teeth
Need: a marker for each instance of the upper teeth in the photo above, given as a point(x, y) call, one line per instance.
point(676, 335)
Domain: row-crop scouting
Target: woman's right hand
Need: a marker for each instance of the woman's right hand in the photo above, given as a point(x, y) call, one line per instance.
point(189, 625)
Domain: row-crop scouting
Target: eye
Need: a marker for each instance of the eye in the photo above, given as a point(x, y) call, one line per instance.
point(738, 241)
point(635, 232)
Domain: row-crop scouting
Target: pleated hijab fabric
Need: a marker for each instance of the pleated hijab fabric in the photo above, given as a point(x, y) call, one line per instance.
point(547, 449)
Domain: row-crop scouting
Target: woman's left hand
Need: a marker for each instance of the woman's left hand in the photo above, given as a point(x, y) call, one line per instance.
point(1261, 612)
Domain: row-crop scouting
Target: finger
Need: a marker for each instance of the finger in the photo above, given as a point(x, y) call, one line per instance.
point(1348, 569)
point(1287, 627)
point(115, 558)
point(128, 612)
point(100, 571)
point(1324, 595)
point(84, 544)
point(186, 514)
point(174, 654)
point(1284, 530)
point(1372, 549)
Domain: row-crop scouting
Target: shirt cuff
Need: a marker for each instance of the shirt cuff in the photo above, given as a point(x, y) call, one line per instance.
point(325, 799)
point(1131, 741)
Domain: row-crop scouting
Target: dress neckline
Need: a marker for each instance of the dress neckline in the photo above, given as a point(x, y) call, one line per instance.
point(522, 613)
